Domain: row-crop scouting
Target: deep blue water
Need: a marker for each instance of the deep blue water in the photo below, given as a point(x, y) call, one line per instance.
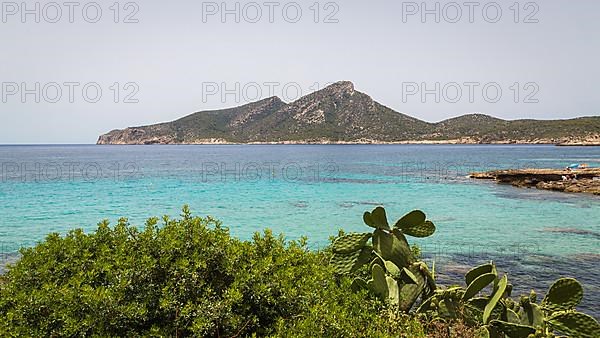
point(314, 190)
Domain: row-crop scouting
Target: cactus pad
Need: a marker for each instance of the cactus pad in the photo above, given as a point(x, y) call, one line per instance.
point(358, 284)
point(531, 314)
point(376, 219)
point(392, 268)
point(350, 243)
point(393, 290)
point(487, 312)
point(363, 258)
point(408, 277)
point(378, 283)
point(472, 315)
point(425, 229)
point(414, 224)
point(409, 293)
point(393, 247)
point(350, 262)
point(533, 296)
point(512, 317)
point(413, 218)
point(478, 284)
point(448, 308)
point(454, 293)
point(344, 263)
point(513, 330)
point(575, 324)
point(478, 271)
point(478, 302)
point(564, 294)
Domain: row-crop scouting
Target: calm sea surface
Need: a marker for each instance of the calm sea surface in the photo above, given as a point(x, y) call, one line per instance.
point(313, 191)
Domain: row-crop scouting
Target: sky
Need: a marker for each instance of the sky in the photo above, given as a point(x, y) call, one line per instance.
point(72, 72)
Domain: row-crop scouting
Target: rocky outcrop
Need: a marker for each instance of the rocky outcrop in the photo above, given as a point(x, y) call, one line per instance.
point(137, 136)
point(574, 181)
point(590, 140)
point(581, 185)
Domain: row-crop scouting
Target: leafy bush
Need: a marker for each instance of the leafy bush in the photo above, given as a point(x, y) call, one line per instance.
point(188, 277)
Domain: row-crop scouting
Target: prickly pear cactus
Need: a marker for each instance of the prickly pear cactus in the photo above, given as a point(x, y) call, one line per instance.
point(478, 302)
point(393, 247)
point(413, 218)
point(512, 316)
point(531, 314)
point(487, 312)
point(414, 224)
point(409, 293)
point(408, 277)
point(564, 294)
point(574, 324)
point(376, 219)
point(513, 330)
point(378, 283)
point(478, 271)
point(350, 243)
point(358, 284)
point(345, 263)
point(393, 290)
point(398, 278)
point(392, 269)
point(533, 296)
point(478, 284)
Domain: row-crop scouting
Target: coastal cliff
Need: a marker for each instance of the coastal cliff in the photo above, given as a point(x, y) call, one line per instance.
point(339, 114)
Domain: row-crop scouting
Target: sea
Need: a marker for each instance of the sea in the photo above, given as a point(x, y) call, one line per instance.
point(535, 236)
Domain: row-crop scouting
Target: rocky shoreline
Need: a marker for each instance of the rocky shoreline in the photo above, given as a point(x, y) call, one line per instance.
point(104, 140)
point(571, 181)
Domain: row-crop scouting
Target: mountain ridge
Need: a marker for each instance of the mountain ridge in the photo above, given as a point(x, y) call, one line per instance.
point(341, 114)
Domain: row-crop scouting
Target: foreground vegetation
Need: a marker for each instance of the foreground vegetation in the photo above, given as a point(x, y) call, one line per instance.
point(189, 277)
point(396, 276)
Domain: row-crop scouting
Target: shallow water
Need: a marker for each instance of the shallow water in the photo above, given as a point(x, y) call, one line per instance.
point(314, 190)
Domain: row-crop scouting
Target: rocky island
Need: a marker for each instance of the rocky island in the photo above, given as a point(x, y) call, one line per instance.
point(574, 181)
point(340, 114)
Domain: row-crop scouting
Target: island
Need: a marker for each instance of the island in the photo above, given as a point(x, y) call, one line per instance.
point(339, 114)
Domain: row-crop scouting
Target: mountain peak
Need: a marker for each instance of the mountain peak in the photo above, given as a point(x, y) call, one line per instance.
point(334, 91)
point(340, 86)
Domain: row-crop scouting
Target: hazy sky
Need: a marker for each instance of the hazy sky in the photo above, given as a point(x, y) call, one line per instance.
point(173, 58)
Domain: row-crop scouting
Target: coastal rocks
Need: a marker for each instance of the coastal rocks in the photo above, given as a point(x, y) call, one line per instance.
point(583, 185)
point(576, 181)
point(591, 140)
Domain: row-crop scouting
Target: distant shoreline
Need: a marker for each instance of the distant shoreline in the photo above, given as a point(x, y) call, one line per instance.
point(366, 142)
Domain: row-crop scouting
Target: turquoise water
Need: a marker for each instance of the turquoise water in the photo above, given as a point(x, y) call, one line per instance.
point(314, 191)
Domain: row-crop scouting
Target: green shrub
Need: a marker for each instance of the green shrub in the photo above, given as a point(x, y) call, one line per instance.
point(187, 277)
